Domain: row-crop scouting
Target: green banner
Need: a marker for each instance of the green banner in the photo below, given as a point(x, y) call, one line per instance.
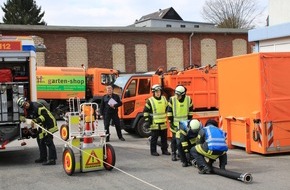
point(60, 83)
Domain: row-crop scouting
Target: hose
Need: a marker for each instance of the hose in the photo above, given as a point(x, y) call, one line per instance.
point(244, 177)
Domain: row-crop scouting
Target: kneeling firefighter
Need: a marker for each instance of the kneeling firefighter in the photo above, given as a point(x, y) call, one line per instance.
point(211, 143)
point(186, 137)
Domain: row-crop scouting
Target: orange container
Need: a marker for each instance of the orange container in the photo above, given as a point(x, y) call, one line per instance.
point(201, 85)
point(254, 101)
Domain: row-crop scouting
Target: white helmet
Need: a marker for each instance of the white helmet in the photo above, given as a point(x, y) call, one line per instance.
point(180, 90)
point(20, 102)
point(156, 87)
point(194, 125)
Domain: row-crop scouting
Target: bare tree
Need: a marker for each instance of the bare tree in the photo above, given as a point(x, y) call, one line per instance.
point(231, 13)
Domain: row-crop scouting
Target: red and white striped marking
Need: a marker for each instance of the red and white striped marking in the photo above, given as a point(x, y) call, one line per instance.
point(270, 136)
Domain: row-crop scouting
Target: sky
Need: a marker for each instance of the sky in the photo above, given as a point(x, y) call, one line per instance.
point(118, 12)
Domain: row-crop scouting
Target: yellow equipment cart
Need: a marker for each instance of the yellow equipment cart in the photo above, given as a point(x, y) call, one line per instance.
point(86, 148)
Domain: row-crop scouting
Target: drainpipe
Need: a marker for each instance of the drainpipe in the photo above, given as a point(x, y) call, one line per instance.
point(190, 56)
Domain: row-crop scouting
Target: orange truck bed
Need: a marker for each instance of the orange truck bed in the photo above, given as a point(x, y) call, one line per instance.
point(201, 86)
point(60, 82)
point(254, 101)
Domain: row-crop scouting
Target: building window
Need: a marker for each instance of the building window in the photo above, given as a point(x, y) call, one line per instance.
point(76, 51)
point(168, 25)
point(196, 26)
point(174, 53)
point(182, 26)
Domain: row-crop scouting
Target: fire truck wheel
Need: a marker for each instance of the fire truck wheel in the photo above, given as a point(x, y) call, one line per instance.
point(64, 132)
point(110, 158)
point(142, 130)
point(68, 161)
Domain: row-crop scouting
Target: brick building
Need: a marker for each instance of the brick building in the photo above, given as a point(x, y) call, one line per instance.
point(132, 49)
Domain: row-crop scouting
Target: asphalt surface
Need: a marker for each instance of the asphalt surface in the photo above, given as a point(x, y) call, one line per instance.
point(135, 168)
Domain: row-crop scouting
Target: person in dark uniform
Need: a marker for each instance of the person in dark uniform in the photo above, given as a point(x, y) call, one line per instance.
point(43, 117)
point(109, 111)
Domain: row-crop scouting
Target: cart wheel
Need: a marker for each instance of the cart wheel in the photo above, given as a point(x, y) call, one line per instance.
point(68, 161)
point(64, 132)
point(110, 158)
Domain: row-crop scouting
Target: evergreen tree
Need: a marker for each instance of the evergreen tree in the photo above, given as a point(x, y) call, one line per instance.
point(24, 12)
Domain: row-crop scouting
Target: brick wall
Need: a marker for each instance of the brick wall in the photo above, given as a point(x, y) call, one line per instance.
point(97, 48)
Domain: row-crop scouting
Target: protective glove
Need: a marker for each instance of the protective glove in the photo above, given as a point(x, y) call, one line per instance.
point(22, 118)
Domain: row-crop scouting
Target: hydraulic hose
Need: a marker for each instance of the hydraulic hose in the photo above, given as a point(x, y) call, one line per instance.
point(244, 177)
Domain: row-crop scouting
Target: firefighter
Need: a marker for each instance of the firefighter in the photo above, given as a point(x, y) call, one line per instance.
point(43, 117)
point(155, 119)
point(180, 107)
point(211, 143)
point(186, 137)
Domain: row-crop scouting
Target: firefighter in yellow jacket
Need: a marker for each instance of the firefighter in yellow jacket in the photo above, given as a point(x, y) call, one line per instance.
point(186, 137)
point(42, 116)
point(180, 107)
point(155, 117)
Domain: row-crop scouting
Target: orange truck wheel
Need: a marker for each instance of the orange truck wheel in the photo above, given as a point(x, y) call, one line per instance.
point(110, 158)
point(68, 161)
point(64, 132)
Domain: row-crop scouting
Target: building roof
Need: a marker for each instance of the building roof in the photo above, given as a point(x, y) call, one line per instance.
point(270, 32)
point(43, 28)
point(168, 13)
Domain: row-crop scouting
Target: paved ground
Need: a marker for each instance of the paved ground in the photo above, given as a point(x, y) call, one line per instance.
point(137, 169)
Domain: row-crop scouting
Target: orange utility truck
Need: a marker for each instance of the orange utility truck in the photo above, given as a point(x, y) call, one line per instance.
point(134, 90)
point(254, 101)
point(55, 85)
point(17, 79)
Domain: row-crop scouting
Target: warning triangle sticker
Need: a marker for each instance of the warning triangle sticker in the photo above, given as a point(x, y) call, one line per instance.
point(93, 160)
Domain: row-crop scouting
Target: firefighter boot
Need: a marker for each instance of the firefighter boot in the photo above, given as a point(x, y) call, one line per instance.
point(165, 152)
point(193, 162)
point(204, 170)
point(210, 163)
point(49, 162)
point(40, 160)
point(184, 164)
point(222, 167)
point(173, 156)
point(154, 154)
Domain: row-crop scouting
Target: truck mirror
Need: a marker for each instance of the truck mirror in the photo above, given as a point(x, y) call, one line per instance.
point(127, 93)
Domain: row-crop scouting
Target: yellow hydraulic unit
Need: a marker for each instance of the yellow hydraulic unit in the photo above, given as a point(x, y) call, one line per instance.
point(86, 149)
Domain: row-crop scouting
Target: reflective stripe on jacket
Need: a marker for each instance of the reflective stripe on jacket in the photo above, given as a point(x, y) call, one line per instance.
point(46, 120)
